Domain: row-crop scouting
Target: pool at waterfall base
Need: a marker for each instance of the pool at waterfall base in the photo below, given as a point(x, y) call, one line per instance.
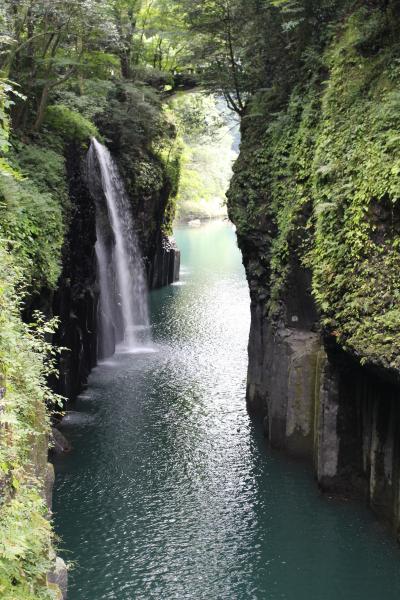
point(171, 493)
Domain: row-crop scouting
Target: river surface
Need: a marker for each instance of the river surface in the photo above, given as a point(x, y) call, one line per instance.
point(170, 492)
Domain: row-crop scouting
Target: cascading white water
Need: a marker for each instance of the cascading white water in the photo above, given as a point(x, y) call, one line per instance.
point(123, 311)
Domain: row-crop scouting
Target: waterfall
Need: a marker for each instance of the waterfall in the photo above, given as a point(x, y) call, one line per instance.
point(123, 308)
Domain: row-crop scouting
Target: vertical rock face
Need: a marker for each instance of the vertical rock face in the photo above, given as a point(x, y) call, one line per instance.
point(318, 403)
point(76, 299)
point(315, 200)
point(281, 384)
point(358, 437)
point(165, 266)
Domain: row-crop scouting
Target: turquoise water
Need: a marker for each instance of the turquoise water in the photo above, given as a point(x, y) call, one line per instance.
point(171, 494)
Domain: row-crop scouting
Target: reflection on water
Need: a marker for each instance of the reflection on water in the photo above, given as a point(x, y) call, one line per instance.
point(170, 493)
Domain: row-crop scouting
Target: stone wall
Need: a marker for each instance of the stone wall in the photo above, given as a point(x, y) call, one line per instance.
point(318, 403)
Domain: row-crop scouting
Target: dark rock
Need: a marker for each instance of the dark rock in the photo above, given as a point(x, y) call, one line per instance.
point(326, 407)
point(58, 443)
point(315, 399)
point(166, 264)
point(76, 299)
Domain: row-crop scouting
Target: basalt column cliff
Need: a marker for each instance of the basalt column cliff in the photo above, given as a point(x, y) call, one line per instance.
point(76, 299)
point(315, 200)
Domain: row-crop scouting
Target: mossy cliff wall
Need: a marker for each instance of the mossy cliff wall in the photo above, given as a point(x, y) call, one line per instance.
point(315, 198)
point(76, 298)
point(47, 257)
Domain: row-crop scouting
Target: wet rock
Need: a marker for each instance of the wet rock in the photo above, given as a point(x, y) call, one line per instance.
point(166, 264)
point(48, 486)
point(59, 577)
point(319, 403)
point(281, 384)
point(58, 443)
point(315, 399)
point(76, 301)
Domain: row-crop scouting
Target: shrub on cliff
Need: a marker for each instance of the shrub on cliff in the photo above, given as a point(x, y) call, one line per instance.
point(317, 184)
point(31, 223)
point(25, 531)
point(70, 125)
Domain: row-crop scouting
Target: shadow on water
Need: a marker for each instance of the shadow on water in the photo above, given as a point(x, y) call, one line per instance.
point(170, 492)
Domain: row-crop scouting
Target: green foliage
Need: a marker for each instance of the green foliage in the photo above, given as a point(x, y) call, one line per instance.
point(198, 116)
point(32, 211)
point(8, 93)
point(356, 259)
point(70, 125)
point(162, 40)
point(289, 150)
point(91, 100)
point(82, 67)
point(207, 155)
point(43, 166)
point(25, 532)
point(32, 223)
point(320, 186)
point(133, 119)
point(5, 104)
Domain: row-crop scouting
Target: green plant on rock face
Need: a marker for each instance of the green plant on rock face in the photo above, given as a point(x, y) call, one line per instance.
point(70, 125)
point(275, 185)
point(32, 223)
point(43, 166)
point(321, 185)
point(25, 532)
point(290, 146)
point(356, 260)
point(32, 212)
point(31, 226)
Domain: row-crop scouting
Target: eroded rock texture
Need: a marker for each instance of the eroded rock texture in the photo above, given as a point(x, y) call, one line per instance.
point(318, 403)
point(319, 246)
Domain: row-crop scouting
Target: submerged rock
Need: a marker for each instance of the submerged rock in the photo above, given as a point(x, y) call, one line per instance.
point(74, 418)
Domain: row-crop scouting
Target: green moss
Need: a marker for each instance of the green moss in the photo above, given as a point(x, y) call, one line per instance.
point(70, 125)
point(320, 185)
point(356, 188)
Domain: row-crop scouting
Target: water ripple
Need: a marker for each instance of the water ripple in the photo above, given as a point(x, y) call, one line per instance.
point(172, 496)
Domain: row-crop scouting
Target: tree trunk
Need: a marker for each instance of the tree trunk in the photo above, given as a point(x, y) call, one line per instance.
point(42, 107)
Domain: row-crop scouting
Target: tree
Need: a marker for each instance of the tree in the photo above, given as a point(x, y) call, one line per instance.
point(48, 42)
point(125, 14)
point(217, 48)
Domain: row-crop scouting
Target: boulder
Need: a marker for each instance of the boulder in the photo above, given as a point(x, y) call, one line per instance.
point(58, 442)
point(59, 577)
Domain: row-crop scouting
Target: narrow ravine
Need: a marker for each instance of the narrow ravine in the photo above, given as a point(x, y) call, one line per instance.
point(169, 492)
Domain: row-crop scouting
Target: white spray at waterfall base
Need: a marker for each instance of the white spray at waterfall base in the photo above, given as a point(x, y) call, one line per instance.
point(123, 309)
